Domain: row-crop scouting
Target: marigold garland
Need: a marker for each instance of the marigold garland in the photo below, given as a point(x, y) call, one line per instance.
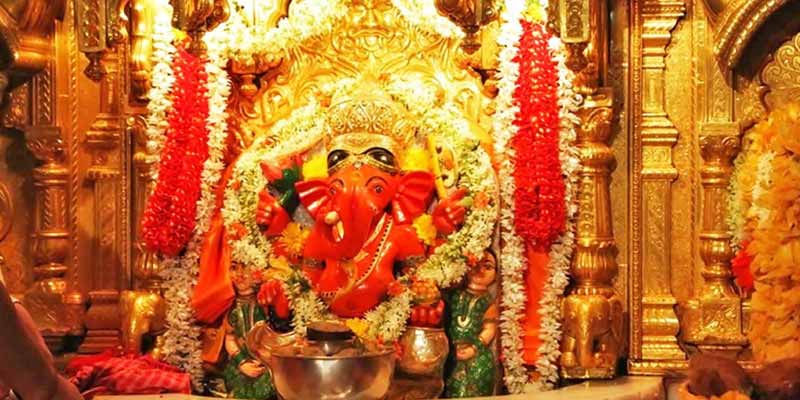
point(775, 248)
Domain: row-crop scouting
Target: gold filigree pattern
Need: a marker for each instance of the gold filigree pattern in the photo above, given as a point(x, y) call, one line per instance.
point(371, 41)
point(782, 74)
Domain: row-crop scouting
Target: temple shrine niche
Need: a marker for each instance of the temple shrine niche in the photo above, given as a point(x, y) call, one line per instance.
point(406, 199)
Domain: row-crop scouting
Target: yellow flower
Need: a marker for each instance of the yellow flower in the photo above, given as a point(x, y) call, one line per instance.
point(279, 268)
point(416, 159)
point(293, 238)
point(425, 229)
point(358, 326)
point(315, 168)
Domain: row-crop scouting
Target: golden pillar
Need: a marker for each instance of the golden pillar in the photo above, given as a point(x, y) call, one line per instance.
point(713, 319)
point(593, 322)
point(50, 241)
point(593, 313)
point(142, 310)
point(652, 300)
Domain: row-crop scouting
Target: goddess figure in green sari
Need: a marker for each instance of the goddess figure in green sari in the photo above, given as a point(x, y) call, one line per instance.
point(245, 376)
point(471, 327)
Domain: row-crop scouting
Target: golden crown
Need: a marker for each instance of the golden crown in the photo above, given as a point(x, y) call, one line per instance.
point(368, 117)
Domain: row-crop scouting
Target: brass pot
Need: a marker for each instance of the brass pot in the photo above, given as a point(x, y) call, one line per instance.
point(424, 351)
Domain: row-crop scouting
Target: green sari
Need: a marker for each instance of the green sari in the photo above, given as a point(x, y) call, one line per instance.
point(476, 376)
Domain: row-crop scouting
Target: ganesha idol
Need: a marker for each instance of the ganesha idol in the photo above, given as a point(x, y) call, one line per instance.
point(364, 210)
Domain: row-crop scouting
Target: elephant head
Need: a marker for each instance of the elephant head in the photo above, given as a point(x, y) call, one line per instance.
point(592, 329)
point(361, 188)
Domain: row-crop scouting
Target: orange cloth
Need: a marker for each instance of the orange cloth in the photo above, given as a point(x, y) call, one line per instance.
point(214, 293)
point(535, 280)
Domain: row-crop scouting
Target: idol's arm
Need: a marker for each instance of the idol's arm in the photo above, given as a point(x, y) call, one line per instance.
point(26, 366)
point(489, 324)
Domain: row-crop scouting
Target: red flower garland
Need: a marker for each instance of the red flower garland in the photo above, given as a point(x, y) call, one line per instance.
point(169, 219)
point(539, 212)
point(740, 266)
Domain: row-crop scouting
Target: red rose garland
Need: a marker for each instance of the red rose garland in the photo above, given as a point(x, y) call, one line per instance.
point(539, 211)
point(169, 219)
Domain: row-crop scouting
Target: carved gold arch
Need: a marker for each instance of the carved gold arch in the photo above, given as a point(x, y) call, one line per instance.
point(373, 40)
point(739, 20)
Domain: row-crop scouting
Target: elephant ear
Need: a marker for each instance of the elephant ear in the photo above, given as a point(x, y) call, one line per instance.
point(413, 196)
point(314, 194)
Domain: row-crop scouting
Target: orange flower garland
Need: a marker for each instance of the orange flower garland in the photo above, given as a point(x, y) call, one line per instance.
point(775, 246)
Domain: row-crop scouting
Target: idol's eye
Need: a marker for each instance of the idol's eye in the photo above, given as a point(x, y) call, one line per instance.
point(337, 156)
point(381, 155)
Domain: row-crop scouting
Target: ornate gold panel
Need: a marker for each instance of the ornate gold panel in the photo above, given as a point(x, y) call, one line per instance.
point(782, 74)
point(377, 41)
point(654, 325)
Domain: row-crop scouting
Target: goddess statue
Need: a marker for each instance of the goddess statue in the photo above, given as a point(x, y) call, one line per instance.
point(472, 325)
point(245, 376)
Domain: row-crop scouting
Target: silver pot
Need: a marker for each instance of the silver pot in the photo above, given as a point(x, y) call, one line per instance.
point(360, 377)
point(327, 370)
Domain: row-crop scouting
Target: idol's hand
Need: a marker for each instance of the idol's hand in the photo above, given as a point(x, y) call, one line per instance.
point(427, 315)
point(465, 352)
point(271, 294)
point(270, 216)
point(449, 213)
point(252, 369)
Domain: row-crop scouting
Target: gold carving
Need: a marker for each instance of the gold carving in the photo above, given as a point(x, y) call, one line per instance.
point(17, 113)
point(198, 16)
point(470, 15)
point(574, 20)
point(738, 23)
point(713, 319)
point(374, 40)
point(593, 323)
point(782, 74)
point(655, 324)
point(592, 311)
point(142, 19)
point(141, 313)
point(45, 298)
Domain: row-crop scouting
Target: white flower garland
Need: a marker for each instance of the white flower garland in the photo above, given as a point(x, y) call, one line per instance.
point(182, 344)
point(162, 80)
point(561, 250)
point(423, 14)
point(307, 19)
point(762, 185)
point(512, 252)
